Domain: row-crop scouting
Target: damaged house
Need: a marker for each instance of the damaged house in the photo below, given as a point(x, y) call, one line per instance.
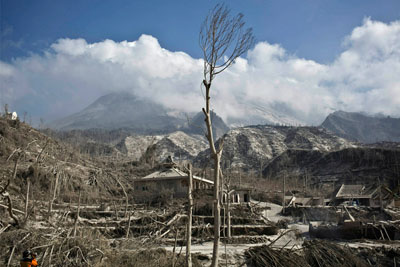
point(236, 196)
point(358, 195)
point(169, 179)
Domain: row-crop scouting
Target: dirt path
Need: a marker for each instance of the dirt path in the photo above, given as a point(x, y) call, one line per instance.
point(274, 213)
point(235, 252)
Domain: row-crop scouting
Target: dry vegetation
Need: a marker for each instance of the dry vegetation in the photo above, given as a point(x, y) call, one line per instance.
point(74, 209)
point(79, 209)
point(322, 253)
point(67, 206)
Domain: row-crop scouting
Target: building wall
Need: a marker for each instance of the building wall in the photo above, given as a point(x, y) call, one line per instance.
point(237, 197)
point(178, 187)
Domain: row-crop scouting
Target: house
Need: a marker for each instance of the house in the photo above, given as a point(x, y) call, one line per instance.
point(391, 197)
point(236, 196)
point(359, 195)
point(170, 179)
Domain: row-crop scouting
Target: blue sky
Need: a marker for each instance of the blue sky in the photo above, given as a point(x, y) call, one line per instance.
point(311, 29)
point(311, 56)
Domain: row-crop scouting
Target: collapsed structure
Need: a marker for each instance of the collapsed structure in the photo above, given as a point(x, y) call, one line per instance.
point(369, 196)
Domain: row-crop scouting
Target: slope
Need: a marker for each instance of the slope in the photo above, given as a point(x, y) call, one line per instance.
point(363, 128)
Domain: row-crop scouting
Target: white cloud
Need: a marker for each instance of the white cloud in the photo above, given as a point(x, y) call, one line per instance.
point(73, 73)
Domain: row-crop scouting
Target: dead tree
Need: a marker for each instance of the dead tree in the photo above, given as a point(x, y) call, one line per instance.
point(6, 195)
point(52, 198)
point(77, 213)
point(128, 227)
point(28, 185)
point(126, 196)
point(222, 39)
point(190, 214)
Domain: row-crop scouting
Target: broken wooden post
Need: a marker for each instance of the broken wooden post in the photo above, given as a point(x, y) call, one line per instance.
point(129, 226)
point(77, 213)
point(54, 193)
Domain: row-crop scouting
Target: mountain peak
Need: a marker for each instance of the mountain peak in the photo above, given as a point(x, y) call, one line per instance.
point(363, 128)
point(123, 110)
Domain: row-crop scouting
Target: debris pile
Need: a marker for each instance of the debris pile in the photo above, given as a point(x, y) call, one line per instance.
point(266, 255)
point(315, 253)
point(380, 256)
point(323, 253)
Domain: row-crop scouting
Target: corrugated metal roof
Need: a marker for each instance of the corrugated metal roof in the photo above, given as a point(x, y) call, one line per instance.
point(355, 191)
point(171, 173)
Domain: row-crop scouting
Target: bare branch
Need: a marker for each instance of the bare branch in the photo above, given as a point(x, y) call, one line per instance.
point(222, 35)
point(18, 150)
point(10, 208)
point(5, 187)
point(38, 157)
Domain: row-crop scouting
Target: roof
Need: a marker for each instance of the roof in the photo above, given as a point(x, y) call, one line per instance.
point(167, 172)
point(171, 174)
point(355, 191)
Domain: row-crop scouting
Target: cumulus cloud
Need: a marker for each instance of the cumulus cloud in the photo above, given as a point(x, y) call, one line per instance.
point(267, 84)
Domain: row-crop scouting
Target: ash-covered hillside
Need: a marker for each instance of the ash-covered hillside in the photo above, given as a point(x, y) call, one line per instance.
point(354, 165)
point(42, 160)
point(253, 147)
point(362, 128)
point(158, 147)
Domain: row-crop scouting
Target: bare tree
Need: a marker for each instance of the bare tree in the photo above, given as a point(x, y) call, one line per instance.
point(126, 197)
point(190, 216)
point(222, 39)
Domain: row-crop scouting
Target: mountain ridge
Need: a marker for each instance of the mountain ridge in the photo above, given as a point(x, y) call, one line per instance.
point(136, 115)
point(363, 128)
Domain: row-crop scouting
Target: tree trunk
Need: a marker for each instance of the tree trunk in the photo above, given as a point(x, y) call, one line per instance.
point(126, 197)
point(128, 229)
point(54, 193)
point(77, 213)
point(28, 185)
point(216, 155)
point(189, 224)
point(10, 209)
point(217, 211)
